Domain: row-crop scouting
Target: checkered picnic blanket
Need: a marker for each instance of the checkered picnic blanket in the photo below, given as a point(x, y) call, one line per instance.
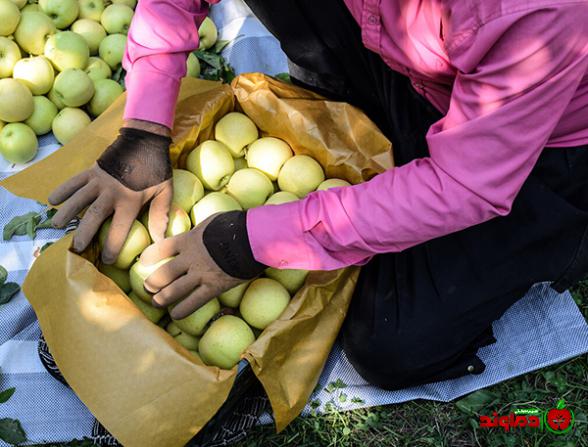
point(541, 329)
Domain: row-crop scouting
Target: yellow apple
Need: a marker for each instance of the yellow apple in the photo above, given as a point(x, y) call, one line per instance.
point(232, 297)
point(268, 155)
point(55, 99)
point(68, 123)
point(129, 3)
point(291, 279)
point(36, 73)
point(212, 163)
point(16, 101)
point(137, 241)
point(214, 202)
point(91, 9)
point(250, 187)
point(116, 18)
point(9, 56)
point(192, 65)
point(112, 50)
point(19, 3)
point(62, 12)
point(139, 273)
point(32, 32)
point(300, 175)
point(10, 17)
point(240, 163)
point(179, 221)
point(332, 183)
point(44, 113)
point(281, 197)
point(119, 276)
point(187, 189)
point(31, 7)
point(91, 31)
point(263, 302)
point(97, 69)
point(153, 314)
point(225, 341)
point(208, 34)
point(195, 323)
point(74, 87)
point(67, 49)
point(236, 130)
point(106, 92)
point(18, 143)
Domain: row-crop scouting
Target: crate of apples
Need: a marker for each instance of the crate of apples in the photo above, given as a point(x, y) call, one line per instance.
point(237, 170)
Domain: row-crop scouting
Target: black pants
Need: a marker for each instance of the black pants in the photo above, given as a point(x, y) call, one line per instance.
point(420, 316)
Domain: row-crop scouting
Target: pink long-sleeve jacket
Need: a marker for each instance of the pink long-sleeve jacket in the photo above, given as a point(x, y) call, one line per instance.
point(510, 77)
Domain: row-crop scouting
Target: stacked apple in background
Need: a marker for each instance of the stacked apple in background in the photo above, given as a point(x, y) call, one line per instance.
point(235, 171)
point(60, 67)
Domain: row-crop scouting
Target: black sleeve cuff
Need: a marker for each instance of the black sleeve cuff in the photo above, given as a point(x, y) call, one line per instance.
point(227, 242)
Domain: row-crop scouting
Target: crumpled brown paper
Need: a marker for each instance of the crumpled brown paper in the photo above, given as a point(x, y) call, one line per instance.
point(139, 383)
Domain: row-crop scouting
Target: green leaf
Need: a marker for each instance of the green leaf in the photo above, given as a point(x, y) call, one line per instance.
point(214, 60)
point(284, 77)
point(19, 224)
point(46, 246)
point(30, 227)
point(342, 397)
point(357, 400)
point(3, 275)
point(6, 394)
point(7, 291)
point(220, 46)
point(11, 431)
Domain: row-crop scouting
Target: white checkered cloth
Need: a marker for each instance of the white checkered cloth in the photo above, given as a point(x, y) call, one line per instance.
point(542, 329)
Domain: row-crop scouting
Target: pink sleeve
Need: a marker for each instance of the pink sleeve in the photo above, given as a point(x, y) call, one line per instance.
point(519, 73)
point(162, 34)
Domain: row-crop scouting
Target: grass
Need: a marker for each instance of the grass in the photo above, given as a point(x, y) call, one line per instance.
point(455, 424)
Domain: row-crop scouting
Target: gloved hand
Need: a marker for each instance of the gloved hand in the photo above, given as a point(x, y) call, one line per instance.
point(134, 169)
point(209, 260)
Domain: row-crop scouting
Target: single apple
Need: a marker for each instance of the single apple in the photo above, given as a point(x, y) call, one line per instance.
point(281, 197)
point(153, 314)
point(291, 279)
point(212, 203)
point(119, 276)
point(62, 12)
point(187, 189)
point(232, 297)
point(186, 340)
point(68, 123)
point(16, 101)
point(212, 163)
point(178, 223)
point(172, 329)
point(18, 143)
point(10, 17)
point(2, 124)
point(129, 3)
point(98, 69)
point(268, 154)
point(67, 49)
point(36, 73)
point(116, 18)
point(300, 175)
point(139, 273)
point(91, 31)
point(225, 341)
point(112, 50)
point(55, 99)
point(332, 183)
point(195, 323)
point(44, 112)
point(236, 130)
point(9, 56)
point(74, 87)
point(208, 34)
point(263, 302)
point(106, 92)
point(91, 9)
point(32, 32)
point(137, 241)
point(250, 187)
point(192, 65)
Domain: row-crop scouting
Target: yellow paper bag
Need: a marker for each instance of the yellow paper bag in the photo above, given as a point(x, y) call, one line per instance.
point(140, 384)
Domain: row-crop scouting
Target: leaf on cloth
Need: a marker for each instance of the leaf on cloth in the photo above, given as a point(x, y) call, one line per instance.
point(47, 222)
point(6, 394)
point(3, 275)
point(214, 67)
point(28, 224)
point(7, 291)
point(11, 431)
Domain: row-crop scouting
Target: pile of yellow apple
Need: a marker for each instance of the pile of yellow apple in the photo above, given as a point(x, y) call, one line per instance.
point(235, 171)
point(57, 58)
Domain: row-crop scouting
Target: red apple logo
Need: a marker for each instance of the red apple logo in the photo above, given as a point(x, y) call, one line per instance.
point(560, 419)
